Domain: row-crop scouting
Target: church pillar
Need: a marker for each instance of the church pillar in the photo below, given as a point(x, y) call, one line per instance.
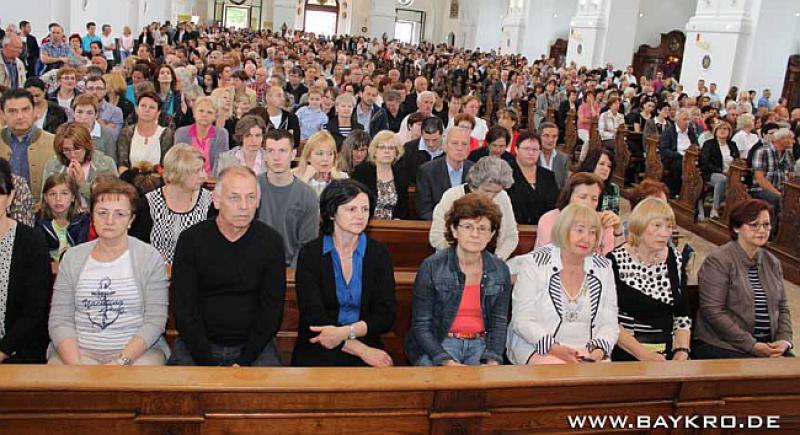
point(382, 15)
point(283, 12)
point(514, 27)
point(594, 41)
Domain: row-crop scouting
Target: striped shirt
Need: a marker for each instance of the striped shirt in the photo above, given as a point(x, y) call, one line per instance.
point(108, 306)
point(761, 331)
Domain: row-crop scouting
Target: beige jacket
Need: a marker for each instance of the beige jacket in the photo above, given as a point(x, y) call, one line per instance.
point(5, 79)
point(39, 152)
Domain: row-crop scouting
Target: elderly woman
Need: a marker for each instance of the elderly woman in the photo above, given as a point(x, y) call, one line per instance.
point(250, 131)
point(489, 177)
point(203, 135)
point(75, 155)
point(715, 159)
point(341, 125)
point(743, 310)
point(353, 152)
point(745, 138)
point(581, 188)
point(600, 162)
point(316, 167)
point(110, 298)
point(345, 286)
point(461, 294)
point(564, 301)
point(24, 284)
point(651, 288)
point(146, 140)
point(182, 202)
point(385, 176)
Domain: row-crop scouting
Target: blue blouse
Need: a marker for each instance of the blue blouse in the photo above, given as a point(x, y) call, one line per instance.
point(348, 294)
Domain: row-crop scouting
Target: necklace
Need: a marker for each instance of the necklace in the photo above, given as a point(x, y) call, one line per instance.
point(573, 305)
point(654, 259)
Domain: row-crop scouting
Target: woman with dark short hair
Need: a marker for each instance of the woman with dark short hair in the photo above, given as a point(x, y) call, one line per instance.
point(345, 285)
point(146, 140)
point(462, 293)
point(743, 311)
point(498, 139)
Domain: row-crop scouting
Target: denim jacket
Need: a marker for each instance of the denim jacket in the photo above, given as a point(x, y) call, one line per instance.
point(437, 295)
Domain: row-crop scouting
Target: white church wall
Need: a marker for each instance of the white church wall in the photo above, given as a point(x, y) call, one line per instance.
point(776, 36)
point(658, 16)
point(547, 20)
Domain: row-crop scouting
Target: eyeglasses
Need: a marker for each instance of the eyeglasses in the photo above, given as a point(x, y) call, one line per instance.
point(385, 148)
point(116, 215)
point(529, 149)
point(72, 151)
point(482, 229)
point(756, 227)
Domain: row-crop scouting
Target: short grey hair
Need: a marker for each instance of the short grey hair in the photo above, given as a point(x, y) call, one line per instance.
point(782, 133)
point(238, 171)
point(424, 94)
point(490, 169)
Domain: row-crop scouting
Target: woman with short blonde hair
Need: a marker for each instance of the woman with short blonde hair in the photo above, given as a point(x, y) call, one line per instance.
point(182, 202)
point(203, 134)
point(317, 162)
point(384, 177)
point(651, 288)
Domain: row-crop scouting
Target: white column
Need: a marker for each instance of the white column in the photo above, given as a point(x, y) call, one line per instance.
point(595, 41)
point(382, 15)
point(547, 20)
point(718, 39)
point(587, 33)
point(283, 12)
point(622, 17)
point(513, 27)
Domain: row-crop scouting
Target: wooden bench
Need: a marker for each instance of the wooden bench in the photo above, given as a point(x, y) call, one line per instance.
point(464, 400)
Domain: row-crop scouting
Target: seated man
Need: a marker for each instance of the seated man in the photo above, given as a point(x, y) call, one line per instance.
point(436, 176)
point(425, 148)
point(288, 205)
point(772, 164)
point(229, 282)
point(675, 140)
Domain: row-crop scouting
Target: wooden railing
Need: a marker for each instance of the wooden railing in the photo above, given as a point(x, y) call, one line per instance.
point(622, 155)
point(692, 186)
point(654, 169)
point(570, 135)
point(594, 136)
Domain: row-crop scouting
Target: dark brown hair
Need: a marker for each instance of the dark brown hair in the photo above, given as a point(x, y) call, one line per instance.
point(746, 211)
point(577, 179)
point(80, 136)
point(53, 181)
point(473, 206)
point(646, 189)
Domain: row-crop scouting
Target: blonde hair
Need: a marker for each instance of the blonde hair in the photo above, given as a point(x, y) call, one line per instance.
point(318, 139)
point(207, 100)
point(180, 162)
point(217, 94)
point(569, 216)
point(383, 137)
point(115, 82)
point(648, 210)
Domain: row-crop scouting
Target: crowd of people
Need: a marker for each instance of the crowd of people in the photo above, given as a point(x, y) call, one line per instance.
point(108, 146)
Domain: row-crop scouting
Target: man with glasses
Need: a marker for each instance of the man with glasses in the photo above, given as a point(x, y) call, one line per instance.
point(288, 205)
point(108, 115)
point(84, 109)
point(424, 149)
point(438, 175)
point(26, 146)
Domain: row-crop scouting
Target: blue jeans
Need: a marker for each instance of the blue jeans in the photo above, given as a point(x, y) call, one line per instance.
point(466, 352)
point(225, 355)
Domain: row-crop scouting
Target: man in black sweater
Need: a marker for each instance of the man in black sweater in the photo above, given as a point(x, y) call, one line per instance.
point(229, 282)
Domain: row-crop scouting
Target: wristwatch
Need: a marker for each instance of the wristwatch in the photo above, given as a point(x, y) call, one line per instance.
point(352, 334)
point(124, 360)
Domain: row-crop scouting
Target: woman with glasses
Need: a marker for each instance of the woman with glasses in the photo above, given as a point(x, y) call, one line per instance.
point(385, 176)
point(743, 311)
point(75, 156)
point(461, 294)
point(316, 167)
point(110, 298)
point(535, 190)
point(345, 285)
point(489, 178)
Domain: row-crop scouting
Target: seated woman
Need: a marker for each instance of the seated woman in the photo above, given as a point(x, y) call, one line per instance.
point(182, 202)
point(535, 190)
point(203, 135)
point(250, 131)
point(384, 177)
point(342, 124)
point(715, 159)
point(461, 294)
point(600, 162)
point(354, 151)
point(489, 177)
point(743, 311)
point(146, 140)
point(581, 188)
point(316, 166)
point(564, 304)
point(651, 288)
point(24, 284)
point(75, 156)
point(497, 141)
point(345, 286)
point(110, 297)
point(60, 219)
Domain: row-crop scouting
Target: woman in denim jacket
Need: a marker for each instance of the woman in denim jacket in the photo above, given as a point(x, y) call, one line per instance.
point(461, 294)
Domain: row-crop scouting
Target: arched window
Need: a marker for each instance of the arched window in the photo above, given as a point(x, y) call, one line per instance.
point(321, 16)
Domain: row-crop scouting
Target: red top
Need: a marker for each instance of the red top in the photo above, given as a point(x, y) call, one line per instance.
point(469, 319)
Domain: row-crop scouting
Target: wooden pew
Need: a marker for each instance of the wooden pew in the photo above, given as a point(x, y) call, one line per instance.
point(43, 400)
point(531, 113)
point(594, 136)
point(736, 190)
point(654, 169)
point(691, 187)
point(570, 135)
point(408, 241)
point(622, 155)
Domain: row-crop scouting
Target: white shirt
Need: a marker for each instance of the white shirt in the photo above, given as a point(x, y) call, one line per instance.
point(480, 130)
point(107, 41)
point(744, 141)
point(683, 142)
point(726, 156)
point(146, 152)
point(608, 124)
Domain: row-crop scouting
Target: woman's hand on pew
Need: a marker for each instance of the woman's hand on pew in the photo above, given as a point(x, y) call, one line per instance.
point(763, 350)
point(564, 353)
point(329, 336)
point(597, 355)
point(3, 356)
point(451, 363)
point(371, 356)
point(779, 348)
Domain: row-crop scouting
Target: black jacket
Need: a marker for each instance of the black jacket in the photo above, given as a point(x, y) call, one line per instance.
point(319, 306)
point(333, 128)
point(711, 157)
point(479, 153)
point(77, 230)
point(432, 181)
point(56, 115)
point(413, 158)
point(668, 143)
point(367, 173)
point(27, 300)
point(383, 120)
point(288, 122)
point(530, 204)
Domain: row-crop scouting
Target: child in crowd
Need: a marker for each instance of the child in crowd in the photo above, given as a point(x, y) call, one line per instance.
point(60, 218)
point(312, 118)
